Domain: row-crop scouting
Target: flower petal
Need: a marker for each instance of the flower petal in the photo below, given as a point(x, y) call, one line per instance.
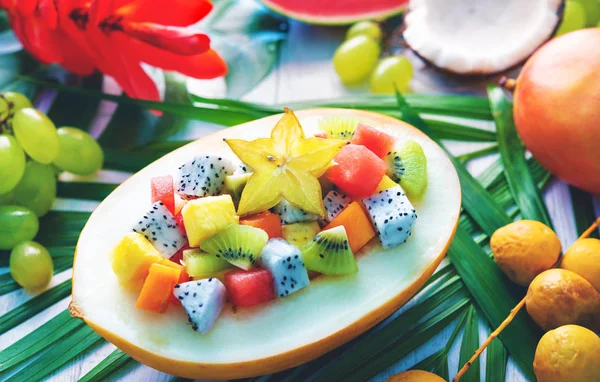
point(183, 41)
point(166, 12)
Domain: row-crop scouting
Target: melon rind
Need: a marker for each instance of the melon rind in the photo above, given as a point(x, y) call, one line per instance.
point(345, 16)
point(280, 334)
point(479, 37)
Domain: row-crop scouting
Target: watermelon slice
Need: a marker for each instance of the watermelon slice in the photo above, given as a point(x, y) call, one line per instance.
point(375, 140)
point(336, 12)
point(357, 171)
point(163, 191)
point(249, 288)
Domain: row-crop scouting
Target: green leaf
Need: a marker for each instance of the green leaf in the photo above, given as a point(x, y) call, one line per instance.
point(408, 343)
point(70, 347)
point(69, 109)
point(39, 340)
point(512, 152)
point(371, 347)
point(9, 42)
point(33, 306)
point(117, 360)
point(85, 190)
point(496, 296)
point(470, 343)
point(491, 149)
point(476, 201)
point(583, 209)
point(496, 360)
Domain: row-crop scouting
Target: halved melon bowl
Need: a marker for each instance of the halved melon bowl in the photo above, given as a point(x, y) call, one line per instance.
point(283, 333)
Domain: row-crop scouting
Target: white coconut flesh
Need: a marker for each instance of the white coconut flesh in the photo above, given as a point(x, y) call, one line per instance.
point(326, 306)
point(479, 37)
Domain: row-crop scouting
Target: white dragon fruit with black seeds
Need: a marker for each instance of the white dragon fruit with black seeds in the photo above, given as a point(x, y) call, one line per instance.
point(284, 261)
point(159, 226)
point(290, 214)
point(335, 202)
point(203, 301)
point(392, 215)
point(202, 176)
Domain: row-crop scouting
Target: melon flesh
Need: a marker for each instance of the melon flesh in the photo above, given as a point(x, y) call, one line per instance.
point(336, 11)
point(482, 36)
point(276, 335)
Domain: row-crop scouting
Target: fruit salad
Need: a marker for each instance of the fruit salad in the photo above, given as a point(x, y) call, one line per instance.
point(256, 226)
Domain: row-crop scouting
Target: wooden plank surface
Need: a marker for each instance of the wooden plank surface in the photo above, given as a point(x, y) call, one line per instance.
point(304, 72)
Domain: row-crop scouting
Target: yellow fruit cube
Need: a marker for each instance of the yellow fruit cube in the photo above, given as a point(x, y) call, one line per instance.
point(132, 258)
point(205, 217)
point(385, 184)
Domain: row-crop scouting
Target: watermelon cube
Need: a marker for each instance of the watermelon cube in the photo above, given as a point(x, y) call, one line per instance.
point(163, 191)
point(357, 171)
point(375, 140)
point(249, 288)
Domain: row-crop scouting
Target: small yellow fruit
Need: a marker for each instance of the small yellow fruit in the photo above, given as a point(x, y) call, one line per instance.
point(524, 249)
point(132, 258)
point(570, 353)
point(559, 297)
point(415, 376)
point(583, 258)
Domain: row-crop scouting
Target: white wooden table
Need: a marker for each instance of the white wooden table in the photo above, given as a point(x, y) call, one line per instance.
point(304, 72)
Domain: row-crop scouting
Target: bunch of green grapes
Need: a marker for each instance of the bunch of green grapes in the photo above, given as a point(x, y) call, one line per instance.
point(32, 154)
point(358, 58)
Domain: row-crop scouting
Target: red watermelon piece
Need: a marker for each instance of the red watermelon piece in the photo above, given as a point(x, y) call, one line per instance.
point(163, 191)
point(375, 140)
point(357, 171)
point(337, 12)
point(249, 288)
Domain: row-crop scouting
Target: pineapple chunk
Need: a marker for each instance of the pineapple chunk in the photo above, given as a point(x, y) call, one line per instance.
point(299, 234)
point(132, 258)
point(385, 184)
point(205, 217)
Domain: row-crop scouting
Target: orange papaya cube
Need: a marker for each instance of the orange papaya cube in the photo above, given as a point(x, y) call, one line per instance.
point(158, 287)
point(267, 221)
point(357, 225)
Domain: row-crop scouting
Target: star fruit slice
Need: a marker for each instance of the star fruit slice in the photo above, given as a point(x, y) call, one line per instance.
point(286, 165)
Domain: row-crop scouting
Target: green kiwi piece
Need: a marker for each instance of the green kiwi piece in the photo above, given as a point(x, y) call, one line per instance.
point(234, 185)
point(408, 166)
point(200, 264)
point(237, 244)
point(329, 253)
point(299, 234)
point(339, 127)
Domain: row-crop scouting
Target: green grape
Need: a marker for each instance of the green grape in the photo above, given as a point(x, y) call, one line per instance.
point(37, 134)
point(17, 101)
point(355, 58)
point(365, 28)
point(17, 224)
point(12, 163)
point(573, 18)
point(7, 198)
point(31, 266)
point(391, 73)
point(592, 11)
point(79, 152)
point(37, 188)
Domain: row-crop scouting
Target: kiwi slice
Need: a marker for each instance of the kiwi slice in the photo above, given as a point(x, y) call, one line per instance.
point(339, 127)
point(234, 185)
point(200, 264)
point(299, 234)
point(237, 244)
point(329, 253)
point(408, 166)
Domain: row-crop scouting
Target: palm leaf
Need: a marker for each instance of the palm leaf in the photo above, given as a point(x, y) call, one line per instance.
point(520, 181)
point(496, 360)
point(583, 210)
point(470, 343)
point(117, 360)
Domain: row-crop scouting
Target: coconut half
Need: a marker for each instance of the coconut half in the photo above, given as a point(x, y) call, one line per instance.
point(282, 333)
point(482, 36)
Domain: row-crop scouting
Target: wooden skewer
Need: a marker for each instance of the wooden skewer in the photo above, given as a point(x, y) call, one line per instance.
point(510, 317)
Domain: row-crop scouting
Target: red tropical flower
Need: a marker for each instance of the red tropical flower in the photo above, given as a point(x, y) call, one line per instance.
point(116, 36)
